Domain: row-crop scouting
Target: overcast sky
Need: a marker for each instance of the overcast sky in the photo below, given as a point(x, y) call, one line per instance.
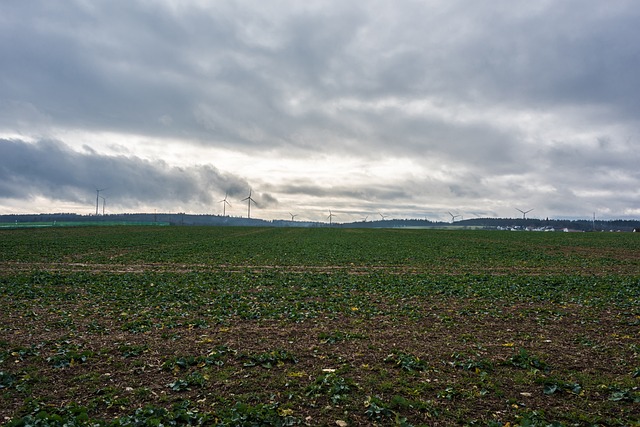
point(412, 109)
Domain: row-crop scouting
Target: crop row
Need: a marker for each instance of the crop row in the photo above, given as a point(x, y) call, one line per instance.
point(427, 250)
point(214, 297)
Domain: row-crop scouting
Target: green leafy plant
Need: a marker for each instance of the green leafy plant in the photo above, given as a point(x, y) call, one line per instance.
point(22, 353)
point(337, 336)
point(68, 358)
point(469, 364)
point(193, 379)
point(525, 360)
point(270, 359)
point(156, 416)
point(557, 386)
point(72, 415)
point(406, 361)
point(376, 409)
point(7, 379)
point(213, 357)
point(244, 415)
point(536, 419)
point(330, 384)
point(624, 394)
point(448, 393)
point(138, 326)
point(129, 350)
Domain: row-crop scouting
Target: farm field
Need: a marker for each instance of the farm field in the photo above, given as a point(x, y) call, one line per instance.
point(232, 326)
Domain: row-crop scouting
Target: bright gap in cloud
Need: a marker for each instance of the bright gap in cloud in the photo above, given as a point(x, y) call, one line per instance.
point(324, 169)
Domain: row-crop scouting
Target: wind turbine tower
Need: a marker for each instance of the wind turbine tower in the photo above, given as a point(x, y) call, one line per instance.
point(330, 217)
point(249, 200)
point(524, 213)
point(104, 202)
point(224, 205)
point(453, 217)
point(293, 216)
point(98, 198)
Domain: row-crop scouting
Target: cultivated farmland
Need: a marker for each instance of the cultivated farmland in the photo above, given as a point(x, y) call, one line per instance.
point(270, 326)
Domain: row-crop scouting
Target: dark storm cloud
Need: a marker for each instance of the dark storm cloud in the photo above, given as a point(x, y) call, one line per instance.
point(51, 169)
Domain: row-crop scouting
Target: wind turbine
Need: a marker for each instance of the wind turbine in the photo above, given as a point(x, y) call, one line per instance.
point(330, 217)
point(249, 200)
point(365, 218)
point(293, 216)
point(224, 205)
point(98, 197)
point(524, 213)
point(382, 216)
point(453, 217)
point(104, 201)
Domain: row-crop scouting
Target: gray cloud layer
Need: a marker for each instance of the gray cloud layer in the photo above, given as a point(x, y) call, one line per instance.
point(534, 102)
point(50, 169)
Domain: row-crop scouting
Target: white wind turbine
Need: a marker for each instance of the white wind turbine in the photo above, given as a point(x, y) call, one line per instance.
point(453, 217)
point(224, 205)
point(524, 213)
point(98, 198)
point(330, 217)
point(249, 200)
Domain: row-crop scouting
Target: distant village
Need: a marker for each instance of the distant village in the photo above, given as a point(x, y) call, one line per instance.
point(184, 219)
